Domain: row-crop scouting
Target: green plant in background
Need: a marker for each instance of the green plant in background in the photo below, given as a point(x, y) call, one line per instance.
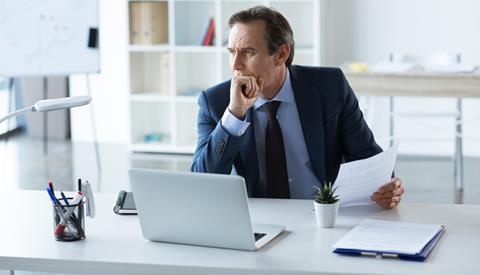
point(325, 194)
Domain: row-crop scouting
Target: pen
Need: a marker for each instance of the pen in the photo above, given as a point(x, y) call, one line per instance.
point(74, 217)
point(52, 196)
point(55, 204)
point(59, 208)
point(61, 226)
point(79, 185)
point(64, 198)
point(50, 185)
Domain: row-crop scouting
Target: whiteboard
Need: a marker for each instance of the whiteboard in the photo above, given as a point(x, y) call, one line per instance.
point(48, 37)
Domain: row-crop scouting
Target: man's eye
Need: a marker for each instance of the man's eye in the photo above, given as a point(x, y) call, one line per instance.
point(250, 53)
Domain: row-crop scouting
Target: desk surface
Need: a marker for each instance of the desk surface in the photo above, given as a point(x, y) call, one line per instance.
point(415, 84)
point(114, 243)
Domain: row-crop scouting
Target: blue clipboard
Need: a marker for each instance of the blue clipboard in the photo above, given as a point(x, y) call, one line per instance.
point(420, 257)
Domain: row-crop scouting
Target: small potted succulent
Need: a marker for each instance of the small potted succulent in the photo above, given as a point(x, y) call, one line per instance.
point(326, 205)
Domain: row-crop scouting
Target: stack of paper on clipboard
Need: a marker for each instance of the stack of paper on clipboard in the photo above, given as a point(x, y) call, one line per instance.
point(410, 241)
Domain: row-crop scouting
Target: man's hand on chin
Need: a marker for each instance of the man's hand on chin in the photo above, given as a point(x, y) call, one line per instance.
point(390, 194)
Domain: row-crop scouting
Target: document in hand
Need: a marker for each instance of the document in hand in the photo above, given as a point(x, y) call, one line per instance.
point(410, 241)
point(357, 180)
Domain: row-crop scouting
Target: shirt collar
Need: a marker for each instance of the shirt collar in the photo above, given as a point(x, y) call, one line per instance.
point(285, 94)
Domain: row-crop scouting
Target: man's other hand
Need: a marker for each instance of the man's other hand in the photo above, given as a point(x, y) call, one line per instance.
point(390, 194)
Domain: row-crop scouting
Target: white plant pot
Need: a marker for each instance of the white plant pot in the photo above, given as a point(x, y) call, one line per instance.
point(326, 214)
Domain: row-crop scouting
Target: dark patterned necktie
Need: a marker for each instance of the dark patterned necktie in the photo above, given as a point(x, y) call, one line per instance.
point(276, 164)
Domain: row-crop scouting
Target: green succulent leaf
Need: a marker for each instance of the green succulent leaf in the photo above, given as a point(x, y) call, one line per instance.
point(325, 194)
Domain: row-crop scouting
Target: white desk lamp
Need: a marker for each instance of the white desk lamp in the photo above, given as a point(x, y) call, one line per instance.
point(51, 105)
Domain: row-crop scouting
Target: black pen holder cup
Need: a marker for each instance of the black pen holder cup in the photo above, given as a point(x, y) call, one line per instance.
point(73, 229)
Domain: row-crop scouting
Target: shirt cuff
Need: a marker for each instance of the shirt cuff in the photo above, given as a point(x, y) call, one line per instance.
point(233, 125)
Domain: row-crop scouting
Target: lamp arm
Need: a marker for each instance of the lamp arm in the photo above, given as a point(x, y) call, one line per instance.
point(16, 113)
point(48, 105)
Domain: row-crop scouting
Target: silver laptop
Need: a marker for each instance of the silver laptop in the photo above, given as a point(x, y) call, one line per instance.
point(197, 209)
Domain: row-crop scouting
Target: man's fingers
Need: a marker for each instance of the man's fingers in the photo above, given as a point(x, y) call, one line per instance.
point(248, 85)
point(241, 84)
point(393, 200)
point(392, 185)
point(384, 201)
point(387, 201)
point(385, 205)
point(388, 204)
point(249, 91)
point(391, 205)
point(399, 191)
point(254, 87)
point(389, 187)
point(249, 88)
point(389, 194)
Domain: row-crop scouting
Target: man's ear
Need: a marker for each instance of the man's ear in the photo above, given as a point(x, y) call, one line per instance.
point(282, 54)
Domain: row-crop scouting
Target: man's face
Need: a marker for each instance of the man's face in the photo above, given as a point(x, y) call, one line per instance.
point(249, 54)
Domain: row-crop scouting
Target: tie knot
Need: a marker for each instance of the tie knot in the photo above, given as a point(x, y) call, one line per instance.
point(271, 108)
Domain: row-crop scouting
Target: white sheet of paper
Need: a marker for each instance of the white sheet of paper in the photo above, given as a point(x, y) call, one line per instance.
point(358, 180)
point(389, 236)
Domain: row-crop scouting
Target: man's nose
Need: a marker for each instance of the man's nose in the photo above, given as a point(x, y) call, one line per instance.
point(237, 62)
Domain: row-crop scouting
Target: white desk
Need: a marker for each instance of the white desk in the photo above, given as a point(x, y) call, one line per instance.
point(415, 84)
point(114, 243)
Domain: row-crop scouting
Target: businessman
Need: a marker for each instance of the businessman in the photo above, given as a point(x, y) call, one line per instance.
point(284, 128)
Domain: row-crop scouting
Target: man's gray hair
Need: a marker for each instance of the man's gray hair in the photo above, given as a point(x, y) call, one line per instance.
point(278, 30)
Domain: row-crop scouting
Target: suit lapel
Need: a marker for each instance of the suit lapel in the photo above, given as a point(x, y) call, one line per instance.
point(311, 120)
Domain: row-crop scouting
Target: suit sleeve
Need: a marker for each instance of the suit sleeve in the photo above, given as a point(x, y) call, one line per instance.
point(216, 148)
point(356, 137)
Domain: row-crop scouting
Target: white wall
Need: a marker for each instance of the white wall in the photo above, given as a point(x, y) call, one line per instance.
point(110, 87)
point(369, 30)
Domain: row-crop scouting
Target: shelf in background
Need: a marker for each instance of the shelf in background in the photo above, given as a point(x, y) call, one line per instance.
point(191, 20)
point(166, 77)
point(148, 22)
point(186, 99)
point(150, 71)
point(150, 97)
point(149, 48)
point(195, 49)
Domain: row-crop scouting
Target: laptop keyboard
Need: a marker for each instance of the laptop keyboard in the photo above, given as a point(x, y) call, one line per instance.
point(258, 236)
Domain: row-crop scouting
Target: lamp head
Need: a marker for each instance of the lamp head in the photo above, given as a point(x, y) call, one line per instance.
point(60, 103)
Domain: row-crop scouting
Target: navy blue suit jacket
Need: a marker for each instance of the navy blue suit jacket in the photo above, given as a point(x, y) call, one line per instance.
point(332, 125)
